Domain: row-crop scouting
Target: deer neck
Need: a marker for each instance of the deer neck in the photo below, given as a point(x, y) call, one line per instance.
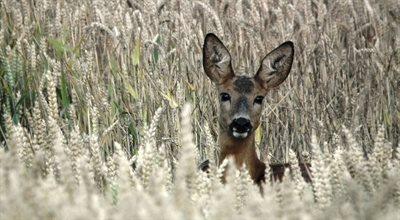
point(244, 153)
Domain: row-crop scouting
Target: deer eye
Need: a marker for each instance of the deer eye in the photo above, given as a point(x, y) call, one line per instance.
point(258, 100)
point(225, 97)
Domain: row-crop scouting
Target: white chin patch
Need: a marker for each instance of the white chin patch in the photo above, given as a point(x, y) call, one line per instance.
point(239, 135)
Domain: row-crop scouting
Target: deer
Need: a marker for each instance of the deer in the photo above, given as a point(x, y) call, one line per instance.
point(241, 100)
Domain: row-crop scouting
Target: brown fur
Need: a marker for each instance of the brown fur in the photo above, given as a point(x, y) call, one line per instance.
point(278, 171)
point(243, 152)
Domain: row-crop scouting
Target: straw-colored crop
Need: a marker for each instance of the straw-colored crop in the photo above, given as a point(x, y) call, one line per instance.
point(106, 113)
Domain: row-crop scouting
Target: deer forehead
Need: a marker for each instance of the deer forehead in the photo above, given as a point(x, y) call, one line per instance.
point(243, 84)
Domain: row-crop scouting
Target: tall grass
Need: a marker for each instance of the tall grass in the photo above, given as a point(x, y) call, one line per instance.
point(81, 81)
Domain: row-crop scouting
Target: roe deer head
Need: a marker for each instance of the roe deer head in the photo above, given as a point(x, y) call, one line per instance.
point(241, 99)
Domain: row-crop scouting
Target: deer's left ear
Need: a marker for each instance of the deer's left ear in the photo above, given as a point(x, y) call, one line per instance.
point(275, 66)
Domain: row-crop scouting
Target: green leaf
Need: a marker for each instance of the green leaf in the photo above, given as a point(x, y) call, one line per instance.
point(131, 91)
point(59, 47)
point(156, 51)
point(64, 92)
point(136, 53)
point(171, 99)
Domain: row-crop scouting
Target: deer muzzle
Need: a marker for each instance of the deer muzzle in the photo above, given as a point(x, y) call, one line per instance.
point(241, 127)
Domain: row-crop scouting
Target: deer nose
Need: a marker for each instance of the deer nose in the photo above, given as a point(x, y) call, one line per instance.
point(241, 125)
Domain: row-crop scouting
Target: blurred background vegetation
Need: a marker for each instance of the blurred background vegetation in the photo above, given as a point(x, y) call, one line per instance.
point(113, 63)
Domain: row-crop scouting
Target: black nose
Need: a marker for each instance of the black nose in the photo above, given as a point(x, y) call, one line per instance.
point(241, 125)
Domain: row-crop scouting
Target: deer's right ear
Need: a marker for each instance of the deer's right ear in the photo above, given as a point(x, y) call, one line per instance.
point(216, 59)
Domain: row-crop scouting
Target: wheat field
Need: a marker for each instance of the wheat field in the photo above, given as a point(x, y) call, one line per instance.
point(106, 113)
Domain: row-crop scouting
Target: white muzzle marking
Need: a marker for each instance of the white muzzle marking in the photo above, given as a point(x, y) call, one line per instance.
point(240, 135)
